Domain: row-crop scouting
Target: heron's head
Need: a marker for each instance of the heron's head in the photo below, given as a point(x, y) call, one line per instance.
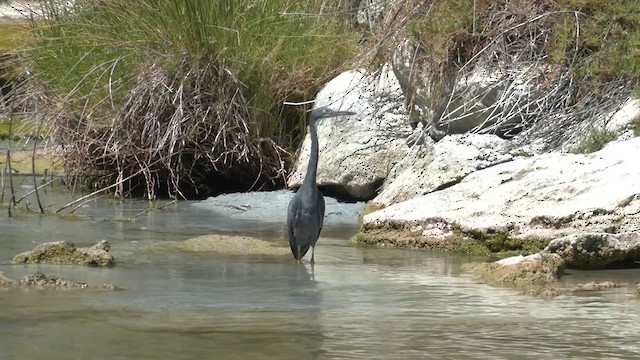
point(325, 112)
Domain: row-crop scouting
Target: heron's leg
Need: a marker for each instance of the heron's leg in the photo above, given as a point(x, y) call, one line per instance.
point(312, 250)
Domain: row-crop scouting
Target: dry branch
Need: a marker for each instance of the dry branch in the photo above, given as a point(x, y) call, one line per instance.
point(183, 131)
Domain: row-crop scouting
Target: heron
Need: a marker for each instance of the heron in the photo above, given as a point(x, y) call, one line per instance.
point(306, 209)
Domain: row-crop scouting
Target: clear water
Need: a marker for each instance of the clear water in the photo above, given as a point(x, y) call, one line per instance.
point(357, 303)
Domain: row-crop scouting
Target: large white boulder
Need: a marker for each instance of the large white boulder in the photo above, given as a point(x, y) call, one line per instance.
point(548, 195)
point(436, 166)
point(357, 152)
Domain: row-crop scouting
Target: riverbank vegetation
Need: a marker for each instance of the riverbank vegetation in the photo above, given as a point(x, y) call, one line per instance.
point(186, 98)
point(578, 58)
point(183, 98)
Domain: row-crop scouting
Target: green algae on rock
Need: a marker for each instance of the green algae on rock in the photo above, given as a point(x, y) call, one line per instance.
point(66, 253)
point(596, 250)
point(475, 242)
point(533, 269)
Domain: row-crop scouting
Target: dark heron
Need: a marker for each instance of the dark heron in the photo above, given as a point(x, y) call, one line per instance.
point(306, 209)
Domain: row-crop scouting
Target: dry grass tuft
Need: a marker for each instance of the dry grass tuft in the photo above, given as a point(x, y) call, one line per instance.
point(184, 132)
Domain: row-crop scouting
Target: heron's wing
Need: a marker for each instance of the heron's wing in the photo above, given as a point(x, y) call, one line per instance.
point(293, 213)
point(320, 213)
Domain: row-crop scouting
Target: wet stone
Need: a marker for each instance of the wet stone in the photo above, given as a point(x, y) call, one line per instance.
point(41, 280)
point(596, 286)
point(232, 245)
point(66, 253)
point(541, 268)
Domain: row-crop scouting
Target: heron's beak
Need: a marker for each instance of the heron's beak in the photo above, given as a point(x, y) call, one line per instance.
point(334, 113)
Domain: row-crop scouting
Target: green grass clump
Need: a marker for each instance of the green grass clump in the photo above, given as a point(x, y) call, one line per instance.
point(598, 39)
point(90, 54)
point(445, 33)
point(13, 34)
point(185, 96)
point(608, 39)
point(596, 139)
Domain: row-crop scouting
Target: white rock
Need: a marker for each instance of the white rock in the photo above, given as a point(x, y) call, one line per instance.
point(547, 195)
point(621, 119)
point(357, 152)
point(512, 260)
point(437, 166)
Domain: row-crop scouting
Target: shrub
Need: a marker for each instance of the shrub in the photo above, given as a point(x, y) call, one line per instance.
point(595, 139)
point(184, 96)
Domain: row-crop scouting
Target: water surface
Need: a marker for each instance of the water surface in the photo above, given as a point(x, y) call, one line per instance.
point(356, 303)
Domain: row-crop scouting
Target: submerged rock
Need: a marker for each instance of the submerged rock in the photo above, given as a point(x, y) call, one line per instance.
point(40, 280)
point(66, 253)
point(596, 250)
point(232, 245)
point(522, 270)
point(597, 286)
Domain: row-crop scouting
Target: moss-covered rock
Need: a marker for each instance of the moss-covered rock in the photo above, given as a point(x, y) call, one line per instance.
point(40, 280)
point(536, 269)
point(231, 245)
point(596, 250)
point(66, 253)
point(497, 243)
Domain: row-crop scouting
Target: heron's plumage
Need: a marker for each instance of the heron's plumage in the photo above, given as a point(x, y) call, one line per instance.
point(305, 220)
point(306, 210)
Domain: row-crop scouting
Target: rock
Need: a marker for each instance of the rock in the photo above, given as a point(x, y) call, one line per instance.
point(271, 207)
point(232, 245)
point(544, 196)
point(594, 286)
point(623, 119)
point(65, 253)
point(484, 99)
point(596, 250)
point(475, 99)
point(440, 165)
point(522, 270)
point(40, 280)
point(5, 281)
point(357, 152)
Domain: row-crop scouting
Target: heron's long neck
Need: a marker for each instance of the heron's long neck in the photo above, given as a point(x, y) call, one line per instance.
point(312, 167)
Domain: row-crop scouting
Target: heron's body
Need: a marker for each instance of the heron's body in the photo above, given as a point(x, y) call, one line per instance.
point(305, 222)
point(306, 209)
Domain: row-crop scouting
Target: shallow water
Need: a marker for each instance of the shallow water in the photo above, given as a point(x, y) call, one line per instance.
point(356, 303)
